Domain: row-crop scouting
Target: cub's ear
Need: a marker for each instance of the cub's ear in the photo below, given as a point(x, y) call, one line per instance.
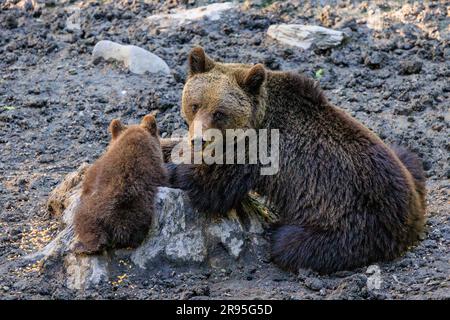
point(149, 123)
point(116, 127)
point(199, 62)
point(254, 78)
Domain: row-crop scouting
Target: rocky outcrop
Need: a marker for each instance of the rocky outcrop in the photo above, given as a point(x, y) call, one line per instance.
point(179, 236)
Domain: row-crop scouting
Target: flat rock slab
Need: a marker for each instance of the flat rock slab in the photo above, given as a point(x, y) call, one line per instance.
point(304, 36)
point(136, 59)
point(212, 12)
point(180, 236)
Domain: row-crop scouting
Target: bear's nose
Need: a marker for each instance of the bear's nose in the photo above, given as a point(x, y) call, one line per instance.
point(197, 142)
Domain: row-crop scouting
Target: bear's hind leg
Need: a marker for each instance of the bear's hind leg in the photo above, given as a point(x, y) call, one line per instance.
point(294, 247)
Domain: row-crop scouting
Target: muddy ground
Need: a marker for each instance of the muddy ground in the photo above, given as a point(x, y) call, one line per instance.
point(56, 103)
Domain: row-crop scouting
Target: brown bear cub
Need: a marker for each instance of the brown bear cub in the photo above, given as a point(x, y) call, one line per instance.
point(345, 199)
point(117, 201)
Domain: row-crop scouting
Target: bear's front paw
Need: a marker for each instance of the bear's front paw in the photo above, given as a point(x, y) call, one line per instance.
point(171, 169)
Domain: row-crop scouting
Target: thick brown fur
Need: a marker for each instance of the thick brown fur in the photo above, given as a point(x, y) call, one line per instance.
point(344, 197)
point(117, 201)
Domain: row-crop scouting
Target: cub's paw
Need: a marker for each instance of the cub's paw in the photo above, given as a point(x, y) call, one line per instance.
point(81, 248)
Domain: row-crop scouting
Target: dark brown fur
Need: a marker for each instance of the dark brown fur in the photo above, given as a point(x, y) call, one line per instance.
point(117, 200)
point(345, 199)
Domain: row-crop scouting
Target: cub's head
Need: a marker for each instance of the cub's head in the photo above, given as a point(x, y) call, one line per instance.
point(147, 125)
point(222, 95)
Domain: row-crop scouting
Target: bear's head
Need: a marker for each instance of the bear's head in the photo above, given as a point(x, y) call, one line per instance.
point(147, 125)
point(222, 95)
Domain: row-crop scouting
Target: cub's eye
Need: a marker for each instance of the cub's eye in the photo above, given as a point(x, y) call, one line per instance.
point(219, 115)
point(195, 108)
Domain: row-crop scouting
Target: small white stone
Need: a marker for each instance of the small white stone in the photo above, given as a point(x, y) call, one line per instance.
point(375, 19)
point(73, 22)
point(303, 36)
point(178, 17)
point(138, 60)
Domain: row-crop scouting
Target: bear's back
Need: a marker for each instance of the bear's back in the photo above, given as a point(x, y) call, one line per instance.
point(130, 166)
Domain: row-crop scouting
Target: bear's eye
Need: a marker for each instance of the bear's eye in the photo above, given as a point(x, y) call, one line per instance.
point(195, 108)
point(219, 116)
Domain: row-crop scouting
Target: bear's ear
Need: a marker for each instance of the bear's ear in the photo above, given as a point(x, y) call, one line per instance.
point(116, 127)
point(149, 123)
point(199, 62)
point(254, 78)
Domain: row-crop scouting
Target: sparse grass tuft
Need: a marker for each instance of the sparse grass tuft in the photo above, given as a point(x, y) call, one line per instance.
point(319, 74)
point(8, 108)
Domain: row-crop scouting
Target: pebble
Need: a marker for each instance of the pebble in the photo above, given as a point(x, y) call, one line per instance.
point(11, 22)
point(314, 284)
point(36, 103)
point(374, 60)
point(409, 67)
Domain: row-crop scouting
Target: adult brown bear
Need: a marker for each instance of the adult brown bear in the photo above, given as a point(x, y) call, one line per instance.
point(345, 199)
